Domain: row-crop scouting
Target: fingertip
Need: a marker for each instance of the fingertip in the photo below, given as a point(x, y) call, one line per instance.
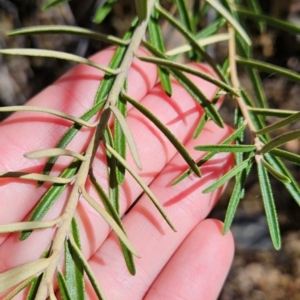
point(199, 267)
point(215, 228)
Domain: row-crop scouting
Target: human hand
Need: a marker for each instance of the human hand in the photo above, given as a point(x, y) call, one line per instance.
point(189, 264)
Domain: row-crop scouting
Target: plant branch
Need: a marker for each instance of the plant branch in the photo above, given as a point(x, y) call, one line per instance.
point(78, 187)
point(120, 78)
point(135, 42)
point(63, 230)
point(236, 84)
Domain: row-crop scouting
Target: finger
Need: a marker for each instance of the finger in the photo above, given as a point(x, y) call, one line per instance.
point(198, 268)
point(23, 132)
point(155, 241)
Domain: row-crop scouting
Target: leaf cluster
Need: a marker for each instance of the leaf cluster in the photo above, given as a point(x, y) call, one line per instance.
point(262, 155)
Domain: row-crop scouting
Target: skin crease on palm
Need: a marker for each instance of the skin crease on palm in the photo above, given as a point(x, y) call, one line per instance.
point(189, 264)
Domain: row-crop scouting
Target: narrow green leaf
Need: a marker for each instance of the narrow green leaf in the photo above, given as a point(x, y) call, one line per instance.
point(128, 257)
point(35, 283)
point(26, 226)
point(143, 186)
point(34, 288)
point(50, 197)
point(183, 67)
point(208, 156)
point(269, 205)
point(74, 278)
point(87, 269)
point(253, 75)
point(200, 125)
point(99, 101)
point(235, 197)
point(292, 157)
point(53, 3)
point(54, 152)
point(211, 28)
point(255, 119)
point(226, 148)
point(187, 21)
point(66, 29)
point(185, 16)
point(239, 121)
point(141, 9)
point(35, 177)
point(286, 121)
point(58, 55)
point(199, 11)
point(75, 232)
point(203, 42)
point(17, 289)
point(231, 10)
point(48, 111)
point(234, 23)
point(275, 22)
point(197, 94)
point(103, 10)
point(233, 172)
point(280, 113)
point(16, 275)
point(225, 68)
point(109, 206)
point(112, 172)
point(280, 140)
point(63, 287)
point(279, 176)
point(194, 43)
point(176, 143)
point(269, 68)
point(208, 35)
point(108, 80)
point(120, 138)
point(191, 88)
point(257, 87)
point(128, 135)
point(70, 133)
point(105, 200)
point(110, 221)
point(293, 187)
point(156, 39)
point(254, 5)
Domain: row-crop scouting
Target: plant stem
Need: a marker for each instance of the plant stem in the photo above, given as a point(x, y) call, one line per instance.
point(236, 84)
point(118, 84)
point(235, 80)
point(63, 230)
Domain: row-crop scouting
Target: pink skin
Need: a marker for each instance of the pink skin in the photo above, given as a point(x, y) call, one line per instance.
point(189, 264)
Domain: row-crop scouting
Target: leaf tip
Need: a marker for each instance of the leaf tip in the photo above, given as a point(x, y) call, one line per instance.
point(24, 235)
point(207, 190)
point(225, 230)
point(175, 181)
point(277, 245)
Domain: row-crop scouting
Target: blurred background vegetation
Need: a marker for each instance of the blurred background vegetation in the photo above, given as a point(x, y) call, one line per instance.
point(258, 272)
